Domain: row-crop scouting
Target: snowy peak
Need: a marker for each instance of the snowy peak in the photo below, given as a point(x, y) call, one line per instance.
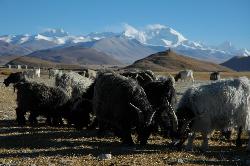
point(225, 46)
point(155, 34)
point(15, 39)
point(54, 33)
point(229, 48)
point(42, 37)
point(6, 38)
point(159, 35)
point(245, 52)
point(100, 35)
point(133, 33)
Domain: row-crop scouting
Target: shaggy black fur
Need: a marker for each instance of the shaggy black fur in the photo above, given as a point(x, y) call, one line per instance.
point(113, 94)
point(142, 77)
point(215, 76)
point(39, 99)
point(160, 94)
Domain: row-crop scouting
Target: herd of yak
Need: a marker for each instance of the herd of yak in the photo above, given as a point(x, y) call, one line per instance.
point(140, 102)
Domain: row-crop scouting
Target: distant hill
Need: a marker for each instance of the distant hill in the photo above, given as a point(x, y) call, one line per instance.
point(76, 55)
point(12, 49)
point(238, 63)
point(6, 58)
point(36, 62)
point(32, 62)
point(171, 61)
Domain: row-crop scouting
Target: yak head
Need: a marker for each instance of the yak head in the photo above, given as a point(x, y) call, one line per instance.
point(185, 119)
point(143, 121)
point(14, 78)
point(162, 96)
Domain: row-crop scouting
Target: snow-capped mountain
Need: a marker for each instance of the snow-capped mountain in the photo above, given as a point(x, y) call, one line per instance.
point(160, 35)
point(15, 39)
point(48, 39)
point(100, 35)
point(54, 33)
point(155, 36)
point(229, 48)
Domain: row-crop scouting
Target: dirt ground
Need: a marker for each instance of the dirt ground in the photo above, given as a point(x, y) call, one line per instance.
point(43, 145)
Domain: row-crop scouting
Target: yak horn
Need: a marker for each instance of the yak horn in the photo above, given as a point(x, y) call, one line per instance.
point(150, 118)
point(173, 117)
point(139, 112)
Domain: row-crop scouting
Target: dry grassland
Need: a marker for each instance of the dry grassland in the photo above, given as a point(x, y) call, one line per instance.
point(43, 145)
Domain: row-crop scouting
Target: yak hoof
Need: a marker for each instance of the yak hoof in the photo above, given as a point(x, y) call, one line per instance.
point(189, 148)
point(21, 122)
point(127, 142)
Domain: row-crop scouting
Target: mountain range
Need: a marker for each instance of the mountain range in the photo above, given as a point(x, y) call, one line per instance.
point(160, 35)
point(125, 47)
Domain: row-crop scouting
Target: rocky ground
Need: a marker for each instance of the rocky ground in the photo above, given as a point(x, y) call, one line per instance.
point(43, 145)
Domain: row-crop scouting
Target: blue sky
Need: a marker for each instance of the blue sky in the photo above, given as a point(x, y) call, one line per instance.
point(208, 21)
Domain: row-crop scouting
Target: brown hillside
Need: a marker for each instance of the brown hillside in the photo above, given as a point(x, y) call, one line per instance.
point(75, 55)
point(170, 61)
point(36, 62)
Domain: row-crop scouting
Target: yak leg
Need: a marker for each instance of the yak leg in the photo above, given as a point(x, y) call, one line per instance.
point(238, 140)
point(226, 133)
point(93, 125)
point(127, 139)
point(191, 137)
point(248, 145)
point(125, 136)
point(32, 118)
point(20, 116)
point(56, 119)
point(103, 127)
point(60, 121)
point(48, 120)
point(204, 145)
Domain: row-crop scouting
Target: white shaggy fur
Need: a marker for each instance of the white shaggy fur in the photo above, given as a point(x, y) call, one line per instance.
point(90, 73)
point(73, 83)
point(37, 72)
point(218, 105)
point(29, 73)
point(54, 72)
point(32, 73)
